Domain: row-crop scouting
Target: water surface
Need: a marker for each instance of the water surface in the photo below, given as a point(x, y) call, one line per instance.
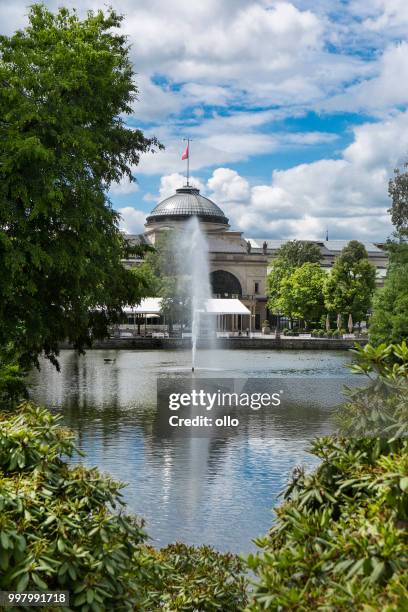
point(215, 491)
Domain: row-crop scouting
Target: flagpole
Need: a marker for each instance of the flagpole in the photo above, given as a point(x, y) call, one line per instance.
point(188, 160)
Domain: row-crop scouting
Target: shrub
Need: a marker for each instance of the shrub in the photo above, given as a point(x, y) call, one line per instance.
point(181, 577)
point(329, 333)
point(320, 333)
point(340, 539)
point(56, 529)
point(12, 379)
point(285, 331)
point(64, 528)
point(336, 333)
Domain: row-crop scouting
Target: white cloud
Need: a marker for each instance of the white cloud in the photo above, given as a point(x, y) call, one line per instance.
point(227, 185)
point(124, 187)
point(132, 220)
point(347, 195)
point(171, 182)
point(386, 89)
point(292, 56)
point(381, 15)
point(222, 140)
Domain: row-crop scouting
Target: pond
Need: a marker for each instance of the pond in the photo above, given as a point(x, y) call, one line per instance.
point(196, 490)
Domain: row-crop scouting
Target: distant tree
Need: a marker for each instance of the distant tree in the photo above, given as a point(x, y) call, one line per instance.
point(66, 85)
point(389, 322)
point(302, 293)
point(398, 192)
point(350, 285)
point(297, 252)
point(290, 256)
point(169, 284)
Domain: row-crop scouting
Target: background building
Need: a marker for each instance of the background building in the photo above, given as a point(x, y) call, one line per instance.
point(239, 265)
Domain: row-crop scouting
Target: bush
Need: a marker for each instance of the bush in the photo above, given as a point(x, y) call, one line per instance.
point(320, 333)
point(329, 333)
point(181, 577)
point(56, 529)
point(340, 539)
point(336, 333)
point(58, 532)
point(12, 379)
point(285, 331)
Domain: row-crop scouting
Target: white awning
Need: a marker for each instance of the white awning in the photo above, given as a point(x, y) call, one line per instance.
point(152, 306)
point(232, 306)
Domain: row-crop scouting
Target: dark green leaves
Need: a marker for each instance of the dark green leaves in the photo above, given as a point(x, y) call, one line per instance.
point(66, 84)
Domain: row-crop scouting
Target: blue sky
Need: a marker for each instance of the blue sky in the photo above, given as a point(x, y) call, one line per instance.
point(297, 109)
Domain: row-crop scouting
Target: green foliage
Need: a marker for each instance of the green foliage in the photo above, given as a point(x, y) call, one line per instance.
point(171, 285)
point(340, 539)
point(63, 527)
point(56, 531)
point(301, 293)
point(66, 86)
point(12, 379)
point(295, 253)
point(389, 322)
point(350, 286)
point(186, 578)
point(290, 256)
point(398, 191)
point(381, 408)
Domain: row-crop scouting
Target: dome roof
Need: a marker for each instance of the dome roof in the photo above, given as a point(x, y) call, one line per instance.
point(187, 202)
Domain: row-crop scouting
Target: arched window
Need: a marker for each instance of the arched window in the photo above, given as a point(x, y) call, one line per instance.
point(224, 284)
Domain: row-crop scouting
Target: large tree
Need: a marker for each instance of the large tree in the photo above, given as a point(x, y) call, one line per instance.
point(302, 293)
point(350, 286)
point(170, 283)
point(398, 192)
point(289, 256)
point(297, 252)
point(389, 322)
point(66, 85)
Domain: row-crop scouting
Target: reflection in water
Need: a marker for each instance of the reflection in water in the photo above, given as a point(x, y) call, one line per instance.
point(217, 491)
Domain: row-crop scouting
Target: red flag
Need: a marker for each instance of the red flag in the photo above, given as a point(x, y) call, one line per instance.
point(185, 154)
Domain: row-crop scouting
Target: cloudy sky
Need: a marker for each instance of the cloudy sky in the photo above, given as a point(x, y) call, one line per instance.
point(298, 110)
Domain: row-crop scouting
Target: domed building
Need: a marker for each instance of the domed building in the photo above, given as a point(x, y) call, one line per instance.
point(238, 265)
point(185, 203)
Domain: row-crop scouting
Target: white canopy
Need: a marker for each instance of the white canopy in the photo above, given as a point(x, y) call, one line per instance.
point(214, 306)
point(232, 306)
point(146, 306)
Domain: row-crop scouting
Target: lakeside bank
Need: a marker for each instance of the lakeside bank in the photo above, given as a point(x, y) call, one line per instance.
point(254, 343)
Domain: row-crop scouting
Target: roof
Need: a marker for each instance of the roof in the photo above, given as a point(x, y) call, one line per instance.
point(231, 306)
point(146, 306)
point(330, 245)
point(187, 202)
point(213, 306)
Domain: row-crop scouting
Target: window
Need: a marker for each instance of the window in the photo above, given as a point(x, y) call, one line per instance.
point(256, 287)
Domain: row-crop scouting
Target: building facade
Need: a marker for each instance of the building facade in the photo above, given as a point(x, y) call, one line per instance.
point(239, 265)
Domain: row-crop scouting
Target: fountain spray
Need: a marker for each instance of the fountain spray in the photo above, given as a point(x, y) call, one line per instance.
point(196, 265)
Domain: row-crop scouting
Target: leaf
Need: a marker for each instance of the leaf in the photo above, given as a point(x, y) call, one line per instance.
point(38, 581)
point(404, 483)
point(22, 582)
point(379, 567)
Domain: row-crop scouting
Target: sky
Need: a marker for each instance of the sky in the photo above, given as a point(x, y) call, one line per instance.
point(297, 110)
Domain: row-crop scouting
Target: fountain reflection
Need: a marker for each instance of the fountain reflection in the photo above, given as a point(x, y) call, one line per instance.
point(218, 491)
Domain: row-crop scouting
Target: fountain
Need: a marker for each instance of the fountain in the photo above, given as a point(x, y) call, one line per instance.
point(194, 263)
